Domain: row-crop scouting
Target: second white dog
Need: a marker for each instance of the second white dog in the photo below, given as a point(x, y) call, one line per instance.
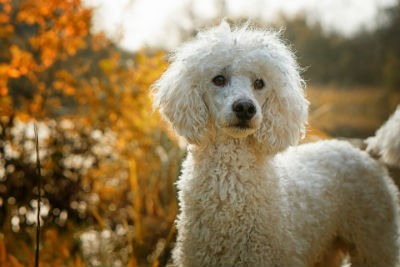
point(246, 199)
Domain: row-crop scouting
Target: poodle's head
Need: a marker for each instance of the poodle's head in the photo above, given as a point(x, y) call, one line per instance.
point(239, 83)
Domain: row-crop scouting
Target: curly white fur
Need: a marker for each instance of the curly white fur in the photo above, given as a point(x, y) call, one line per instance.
point(247, 200)
point(386, 142)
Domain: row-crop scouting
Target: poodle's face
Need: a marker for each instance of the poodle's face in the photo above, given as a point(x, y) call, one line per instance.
point(234, 84)
point(234, 97)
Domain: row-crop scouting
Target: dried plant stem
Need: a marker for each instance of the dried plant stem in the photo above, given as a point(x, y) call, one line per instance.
point(39, 195)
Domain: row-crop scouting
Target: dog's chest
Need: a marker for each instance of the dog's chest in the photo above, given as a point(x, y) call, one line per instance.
point(226, 217)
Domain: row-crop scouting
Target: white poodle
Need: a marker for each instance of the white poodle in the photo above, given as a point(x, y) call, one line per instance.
point(246, 198)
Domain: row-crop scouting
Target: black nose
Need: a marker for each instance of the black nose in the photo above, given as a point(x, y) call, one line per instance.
point(244, 109)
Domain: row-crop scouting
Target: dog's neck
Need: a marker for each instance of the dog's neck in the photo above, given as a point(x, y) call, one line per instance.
point(231, 170)
point(232, 149)
point(238, 156)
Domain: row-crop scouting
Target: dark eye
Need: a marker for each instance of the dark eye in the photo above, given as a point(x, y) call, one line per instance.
point(258, 84)
point(219, 80)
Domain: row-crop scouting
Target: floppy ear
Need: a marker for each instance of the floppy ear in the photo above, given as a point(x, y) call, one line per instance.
point(177, 96)
point(285, 114)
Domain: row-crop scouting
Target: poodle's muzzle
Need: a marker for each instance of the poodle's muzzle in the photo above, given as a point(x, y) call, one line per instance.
point(244, 110)
point(241, 118)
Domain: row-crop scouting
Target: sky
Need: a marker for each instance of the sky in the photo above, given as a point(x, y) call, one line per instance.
point(160, 23)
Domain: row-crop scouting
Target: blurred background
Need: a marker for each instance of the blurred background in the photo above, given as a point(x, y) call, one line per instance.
point(82, 70)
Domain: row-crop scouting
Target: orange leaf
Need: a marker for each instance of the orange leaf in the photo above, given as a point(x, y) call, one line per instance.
point(69, 90)
point(23, 116)
point(3, 91)
point(13, 73)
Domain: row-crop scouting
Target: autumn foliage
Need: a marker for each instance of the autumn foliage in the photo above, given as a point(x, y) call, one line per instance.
point(107, 169)
point(108, 162)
